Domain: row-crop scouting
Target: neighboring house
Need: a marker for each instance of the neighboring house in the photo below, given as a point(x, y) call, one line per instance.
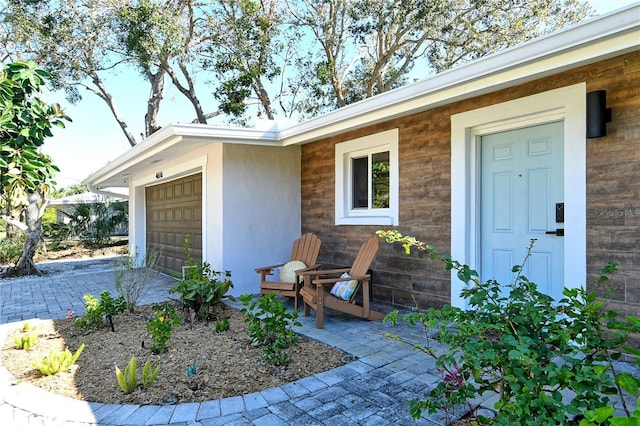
point(480, 160)
point(66, 206)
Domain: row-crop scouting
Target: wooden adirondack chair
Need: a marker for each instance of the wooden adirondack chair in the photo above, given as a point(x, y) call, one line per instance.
point(305, 249)
point(317, 285)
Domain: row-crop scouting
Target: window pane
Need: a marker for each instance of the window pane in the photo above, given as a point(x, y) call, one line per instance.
point(360, 194)
point(380, 180)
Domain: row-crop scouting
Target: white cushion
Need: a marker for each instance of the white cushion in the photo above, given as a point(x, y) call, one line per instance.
point(288, 271)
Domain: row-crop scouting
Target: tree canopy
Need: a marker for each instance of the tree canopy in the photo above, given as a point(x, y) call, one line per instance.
point(268, 58)
point(25, 173)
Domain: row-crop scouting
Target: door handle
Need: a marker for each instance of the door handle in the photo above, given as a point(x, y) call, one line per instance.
point(559, 232)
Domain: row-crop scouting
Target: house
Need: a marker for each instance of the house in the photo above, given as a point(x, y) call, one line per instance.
point(477, 161)
point(65, 207)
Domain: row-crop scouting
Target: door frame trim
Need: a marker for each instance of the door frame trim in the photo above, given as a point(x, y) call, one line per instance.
point(567, 104)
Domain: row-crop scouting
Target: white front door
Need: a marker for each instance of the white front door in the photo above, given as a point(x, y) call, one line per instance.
point(522, 198)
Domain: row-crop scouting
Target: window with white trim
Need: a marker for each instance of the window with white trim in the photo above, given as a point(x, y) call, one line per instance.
point(367, 180)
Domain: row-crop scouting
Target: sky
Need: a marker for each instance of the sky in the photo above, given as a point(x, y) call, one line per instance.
point(94, 138)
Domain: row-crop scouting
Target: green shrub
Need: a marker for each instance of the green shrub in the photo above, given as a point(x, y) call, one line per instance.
point(128, 381)
point(57, 362)
point(222, 325)
point(203, 289)
point(57, 232)
point(625, 382)
point(10, 250)
point(517, 343)
point(94, 223)
point(25, 341)
point(270, 325)
point(161, 326)
point(97, 311)
point(131, 278)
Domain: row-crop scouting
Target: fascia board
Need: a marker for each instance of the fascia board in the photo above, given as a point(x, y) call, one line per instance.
point(175, 133)
point(598, 39)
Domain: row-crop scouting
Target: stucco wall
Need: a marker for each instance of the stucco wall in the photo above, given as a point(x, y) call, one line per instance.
point(613, 204)
point(261, 212)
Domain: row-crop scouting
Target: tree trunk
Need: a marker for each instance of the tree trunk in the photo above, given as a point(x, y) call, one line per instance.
point(188, 91)
point(105, 95)
point(153, 104)
point(263, 96)
point(33, 236)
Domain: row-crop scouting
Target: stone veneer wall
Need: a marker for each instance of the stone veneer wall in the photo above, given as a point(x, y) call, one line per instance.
point(613, 192)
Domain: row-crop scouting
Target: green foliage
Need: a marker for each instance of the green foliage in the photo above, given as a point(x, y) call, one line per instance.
point(270, 325)
point(10, 250)
point(49, 216)
point(73, 189)
point(57, 362)
point(625, 382)
point(94, 223)
point(128, 381)
point(149, 376)
point(57, 232)
point(97, 311)
point(202, 288)
point(26, 174)
point(520, 344)
point(192, 369)
point(222, 325)
point(160, 327)
point(25, 341)
point(25, 122)
point(132, 278)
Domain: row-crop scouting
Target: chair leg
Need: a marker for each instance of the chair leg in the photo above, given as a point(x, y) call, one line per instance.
point(319, 306)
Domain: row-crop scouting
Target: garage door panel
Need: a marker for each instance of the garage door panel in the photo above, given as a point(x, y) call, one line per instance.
point(174, 210)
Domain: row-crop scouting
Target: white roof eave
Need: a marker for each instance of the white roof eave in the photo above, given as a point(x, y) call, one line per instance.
point(170, 136)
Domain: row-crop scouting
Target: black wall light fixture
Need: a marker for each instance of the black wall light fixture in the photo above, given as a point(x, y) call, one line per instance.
point(598, 115)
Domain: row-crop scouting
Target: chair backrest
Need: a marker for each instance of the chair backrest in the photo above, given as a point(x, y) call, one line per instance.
point(365, 257)
point(306, 249)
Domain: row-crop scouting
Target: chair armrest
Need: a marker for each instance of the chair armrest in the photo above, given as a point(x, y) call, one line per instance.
point(268, 268)
point(326, 271)
point(307, 269)
point(322, 281)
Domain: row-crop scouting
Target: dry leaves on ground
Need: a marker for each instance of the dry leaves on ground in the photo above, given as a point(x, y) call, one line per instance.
point(226, 363)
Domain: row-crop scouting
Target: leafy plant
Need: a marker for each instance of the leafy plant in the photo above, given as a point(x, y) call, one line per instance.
point(222, 325)
point(202, 289)
point(57, 362)
point(94, 223)
point(192, 369)
point(270, 325)
point(97, 311)
point(57, 232)
point(518, 343)
point(25, 341)
point(10, 250)
point(625, 382)
point(160, 327)
point(25, 327)
point(132, 278)
point(128, 381)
